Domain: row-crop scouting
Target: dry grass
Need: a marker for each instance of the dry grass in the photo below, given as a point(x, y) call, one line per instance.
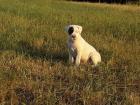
point(34, 67)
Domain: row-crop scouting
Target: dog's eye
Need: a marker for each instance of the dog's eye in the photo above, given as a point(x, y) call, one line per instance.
point(71, 29)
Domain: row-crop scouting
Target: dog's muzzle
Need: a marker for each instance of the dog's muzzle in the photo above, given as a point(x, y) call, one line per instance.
point(73, 36)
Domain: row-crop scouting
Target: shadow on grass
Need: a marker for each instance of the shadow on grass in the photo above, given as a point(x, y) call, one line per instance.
point(41, 52)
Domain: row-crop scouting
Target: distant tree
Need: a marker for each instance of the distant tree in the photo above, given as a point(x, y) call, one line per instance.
point(111, 1)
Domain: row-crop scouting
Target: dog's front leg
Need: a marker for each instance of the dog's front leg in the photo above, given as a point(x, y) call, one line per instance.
point(78, 58)
point(71, 59)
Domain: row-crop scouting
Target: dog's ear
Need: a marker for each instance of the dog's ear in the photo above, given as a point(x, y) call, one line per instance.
point(79, 29)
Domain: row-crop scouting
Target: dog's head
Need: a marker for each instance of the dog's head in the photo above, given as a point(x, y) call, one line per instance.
point(74, 31)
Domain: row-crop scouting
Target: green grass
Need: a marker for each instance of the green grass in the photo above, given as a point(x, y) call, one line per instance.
point(34, 67)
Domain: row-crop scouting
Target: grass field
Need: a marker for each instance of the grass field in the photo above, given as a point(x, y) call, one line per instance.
point(34, 68)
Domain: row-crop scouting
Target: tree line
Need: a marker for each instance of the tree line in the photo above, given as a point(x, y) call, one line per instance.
point(112, 1)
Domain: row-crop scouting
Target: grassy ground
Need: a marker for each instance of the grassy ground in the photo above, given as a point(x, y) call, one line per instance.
point(34, 67)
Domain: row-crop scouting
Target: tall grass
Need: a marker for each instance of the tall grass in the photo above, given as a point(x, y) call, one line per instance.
point(34, 67)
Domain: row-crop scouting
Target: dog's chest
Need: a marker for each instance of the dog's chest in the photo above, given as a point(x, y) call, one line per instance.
point(73, 51)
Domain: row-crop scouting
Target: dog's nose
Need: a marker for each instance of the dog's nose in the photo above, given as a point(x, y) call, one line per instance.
point(73, 36)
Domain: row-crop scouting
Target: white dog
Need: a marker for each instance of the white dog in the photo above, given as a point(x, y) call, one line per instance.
point(79, 49)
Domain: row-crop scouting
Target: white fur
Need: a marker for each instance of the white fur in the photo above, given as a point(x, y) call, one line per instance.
point(79, 49)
